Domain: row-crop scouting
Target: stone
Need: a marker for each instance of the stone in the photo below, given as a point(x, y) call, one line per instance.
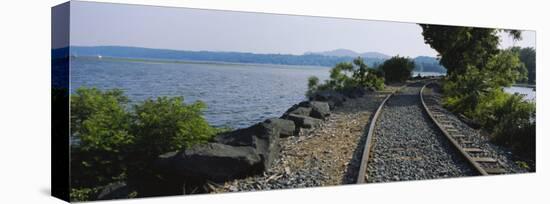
point(262, 136)
point(286, 127)
point(304, 121)
point(299, 110)
point(319, 109)
point(118, 190)
point(333, 98)
point(213, 161)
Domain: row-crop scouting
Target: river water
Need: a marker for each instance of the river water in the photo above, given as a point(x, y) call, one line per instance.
point(237, 95)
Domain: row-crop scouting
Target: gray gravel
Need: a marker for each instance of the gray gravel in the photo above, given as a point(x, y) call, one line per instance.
point(408, 146)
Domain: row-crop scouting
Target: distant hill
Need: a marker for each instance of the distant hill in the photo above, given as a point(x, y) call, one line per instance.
point(351, 53)
point(233, 57)
point(327, 59)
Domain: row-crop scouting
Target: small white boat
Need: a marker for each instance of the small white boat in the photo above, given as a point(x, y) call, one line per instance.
point(99, 57)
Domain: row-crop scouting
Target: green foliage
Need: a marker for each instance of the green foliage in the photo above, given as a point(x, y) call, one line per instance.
point(167, 124)
point(478, 70)
point(397, 69)
point(504, 69)
point(100, 129)
point(83, 194)
point(515, 128)
point(528, 56)
point(509, 118)
point(312, 85)
point(347, 75)
point(111, 142)
point(465, 91)
point(460, 47)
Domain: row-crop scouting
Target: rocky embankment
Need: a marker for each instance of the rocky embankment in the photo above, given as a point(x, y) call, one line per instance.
point(314, 143)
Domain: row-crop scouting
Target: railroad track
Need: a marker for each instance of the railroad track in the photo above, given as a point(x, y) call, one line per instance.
point(477, 160)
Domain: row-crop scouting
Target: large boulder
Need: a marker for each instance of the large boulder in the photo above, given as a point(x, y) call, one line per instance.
point(286, 127)
point(333, 98)
point(301, 111)
point(264, 138)
point(319, 109)
point(118, 190)
point(316, 109)
point(212, 161)
point(304, 121)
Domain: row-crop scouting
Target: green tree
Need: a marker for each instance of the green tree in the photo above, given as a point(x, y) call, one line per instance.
point(467, 90)
point(460, 47)
point(397, 69)
point(361, 74)
point(528, 56)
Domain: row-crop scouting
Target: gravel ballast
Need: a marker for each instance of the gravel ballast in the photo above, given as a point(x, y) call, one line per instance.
point(408, 146)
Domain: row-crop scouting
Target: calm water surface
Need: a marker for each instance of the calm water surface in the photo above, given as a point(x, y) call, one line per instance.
point(528, 93)
point(237, 95)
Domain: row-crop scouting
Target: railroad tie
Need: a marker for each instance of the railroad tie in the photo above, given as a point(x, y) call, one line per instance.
point(484, 159)
point(466, 143)
point(452, 129)
point(494, 170)
point(473, 150)
point(458, 136)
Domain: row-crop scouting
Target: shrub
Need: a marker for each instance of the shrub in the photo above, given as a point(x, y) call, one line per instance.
point(347, 75)
point(167, 124)
point(111, 142)
point(506, 116)
point(515, 128)
point(100, 135)
point(397, 69)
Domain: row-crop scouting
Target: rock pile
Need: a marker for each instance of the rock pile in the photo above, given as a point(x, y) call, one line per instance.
point(243, 152)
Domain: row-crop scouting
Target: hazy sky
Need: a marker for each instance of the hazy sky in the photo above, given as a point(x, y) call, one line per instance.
point(95, 24)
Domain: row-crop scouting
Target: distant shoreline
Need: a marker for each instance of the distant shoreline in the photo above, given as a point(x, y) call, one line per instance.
point(424, 63)
point(145, 60)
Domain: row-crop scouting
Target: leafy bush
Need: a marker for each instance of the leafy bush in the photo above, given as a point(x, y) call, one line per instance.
point(465, 91)
point(111, 142)
point(515, 128)
point(397, 69)
point(347, 75)
point(167, 124)
point(506, 116)
point(100, 131)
